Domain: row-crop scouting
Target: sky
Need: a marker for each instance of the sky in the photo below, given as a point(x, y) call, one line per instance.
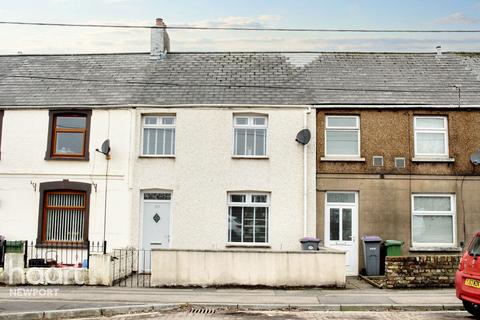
point(329, 14)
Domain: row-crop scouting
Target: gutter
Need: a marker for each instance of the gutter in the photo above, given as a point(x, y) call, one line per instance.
point(247, 106)
point(395, 106)
point(134, 106)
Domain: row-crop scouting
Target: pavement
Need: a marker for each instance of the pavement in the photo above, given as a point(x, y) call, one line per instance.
point(58, 302)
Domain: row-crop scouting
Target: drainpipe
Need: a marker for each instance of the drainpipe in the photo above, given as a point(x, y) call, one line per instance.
point(308, 110)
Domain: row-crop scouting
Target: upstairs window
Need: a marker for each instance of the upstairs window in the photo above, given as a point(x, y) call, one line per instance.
point(248, 217)
point(69, 135)
point(250, 134)
point(431, 137)
point(342, 136)
point(158, 135)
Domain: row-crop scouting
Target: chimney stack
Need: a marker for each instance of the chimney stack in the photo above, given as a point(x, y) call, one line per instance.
point(439, 50)
point(159, 40)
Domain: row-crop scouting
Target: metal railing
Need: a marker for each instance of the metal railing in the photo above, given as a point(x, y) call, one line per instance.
point(2, 253)
point(61, 255)
point(131, 267)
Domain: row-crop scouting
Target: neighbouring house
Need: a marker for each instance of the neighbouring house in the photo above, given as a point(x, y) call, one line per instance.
point(203, 151)
point(393, 153)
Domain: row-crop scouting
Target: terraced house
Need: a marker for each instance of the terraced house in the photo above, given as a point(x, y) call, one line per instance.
point(203, 152)
point(394, 154)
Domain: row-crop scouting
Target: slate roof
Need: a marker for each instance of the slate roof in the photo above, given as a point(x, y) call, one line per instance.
point(240, 78)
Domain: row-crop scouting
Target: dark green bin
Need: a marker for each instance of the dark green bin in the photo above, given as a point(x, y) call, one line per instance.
point(394, 248)
point(14, 247)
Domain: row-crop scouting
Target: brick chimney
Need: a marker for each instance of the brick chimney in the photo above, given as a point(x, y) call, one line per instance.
point(159, 40)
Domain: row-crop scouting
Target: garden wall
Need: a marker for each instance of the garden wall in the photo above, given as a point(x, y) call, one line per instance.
point(432, 271)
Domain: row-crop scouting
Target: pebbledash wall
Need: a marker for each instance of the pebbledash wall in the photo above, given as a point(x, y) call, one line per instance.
point(204, 170)
point(385, 192)
point(23, 167)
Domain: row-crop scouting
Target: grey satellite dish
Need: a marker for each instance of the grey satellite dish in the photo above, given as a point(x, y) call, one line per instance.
point(475, 158)
point(105, 148)
point(303, 136)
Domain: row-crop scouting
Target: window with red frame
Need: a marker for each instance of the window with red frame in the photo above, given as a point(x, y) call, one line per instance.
point(68, 137)
point(64, 217)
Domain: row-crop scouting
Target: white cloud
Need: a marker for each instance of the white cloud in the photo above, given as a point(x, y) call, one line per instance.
point(327, 43)
point(457, 18)
point(92, 40)
point(236, 22)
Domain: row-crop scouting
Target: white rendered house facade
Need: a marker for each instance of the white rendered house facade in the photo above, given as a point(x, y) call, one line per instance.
point(178, 177)
point(53, 181)
point(223, 177)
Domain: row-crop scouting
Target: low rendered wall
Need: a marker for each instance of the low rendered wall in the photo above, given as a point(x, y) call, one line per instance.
point(14, 273)
point(421, 271)
point(171, 267)
point(44, 276)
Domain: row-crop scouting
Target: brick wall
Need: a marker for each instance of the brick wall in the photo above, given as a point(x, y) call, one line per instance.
point(420, 271)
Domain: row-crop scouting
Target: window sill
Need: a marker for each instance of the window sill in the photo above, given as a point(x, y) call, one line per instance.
point(54, 245)
point(352, 159)
point(248, 245)
point(157, 156)
point(435, 249)
point(251, 157)
point(66, 159)
point(426, 159)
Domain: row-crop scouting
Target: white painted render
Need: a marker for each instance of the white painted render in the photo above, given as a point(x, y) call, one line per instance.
point(203, 171)
point(23, 165)
point(171, 267)
point(199, 175)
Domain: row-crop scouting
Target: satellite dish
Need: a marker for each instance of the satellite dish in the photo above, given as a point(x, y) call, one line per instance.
point(105, 148)
point(303, 136)
point(475, 158)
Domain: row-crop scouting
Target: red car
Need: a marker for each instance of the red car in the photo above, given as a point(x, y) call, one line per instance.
point(467, 278)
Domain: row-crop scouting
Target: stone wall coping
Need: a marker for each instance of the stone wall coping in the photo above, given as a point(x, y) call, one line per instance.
point(323, 250)
point(435, 249)
point(417, 257)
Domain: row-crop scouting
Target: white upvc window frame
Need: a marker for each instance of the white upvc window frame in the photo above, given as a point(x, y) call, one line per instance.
point(249, 203)
point(452, 213)
point(417, 130)
point(252, 126)
point(356, 128)
point(159, 125)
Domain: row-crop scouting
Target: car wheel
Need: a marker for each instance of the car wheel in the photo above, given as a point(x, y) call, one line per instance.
point(472, 308)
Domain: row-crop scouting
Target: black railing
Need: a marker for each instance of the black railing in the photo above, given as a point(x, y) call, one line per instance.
point(131, 267)
point(57, 255)
point(2, 253)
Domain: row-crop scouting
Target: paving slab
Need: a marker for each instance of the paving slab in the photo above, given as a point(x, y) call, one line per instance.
point(307, 299)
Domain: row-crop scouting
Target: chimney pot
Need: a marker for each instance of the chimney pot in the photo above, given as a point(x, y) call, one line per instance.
point(439, 50)
point(159, 22)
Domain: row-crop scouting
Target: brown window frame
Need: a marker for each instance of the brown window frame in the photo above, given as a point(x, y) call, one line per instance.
point(52, 134)
point(63, 187)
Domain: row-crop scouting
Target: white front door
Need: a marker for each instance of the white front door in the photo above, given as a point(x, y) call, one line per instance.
point(341, 226)
point(155, 223)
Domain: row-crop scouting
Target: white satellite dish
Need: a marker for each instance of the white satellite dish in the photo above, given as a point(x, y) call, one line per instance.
point(475, 158)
